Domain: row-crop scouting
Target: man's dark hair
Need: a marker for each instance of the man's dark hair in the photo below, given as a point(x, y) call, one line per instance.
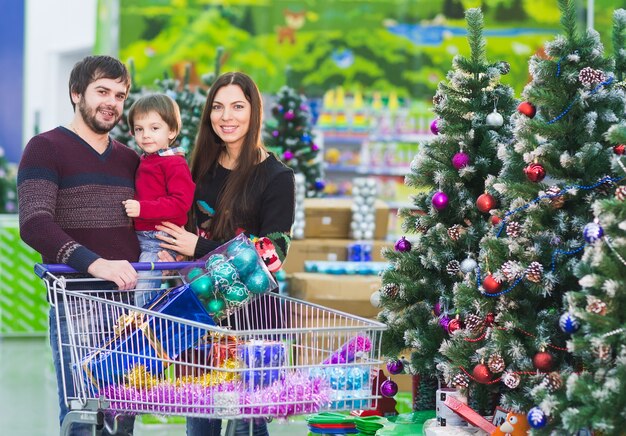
point(92, 68)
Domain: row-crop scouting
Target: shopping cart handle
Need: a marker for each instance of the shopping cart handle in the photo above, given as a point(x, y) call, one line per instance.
point(42, 268)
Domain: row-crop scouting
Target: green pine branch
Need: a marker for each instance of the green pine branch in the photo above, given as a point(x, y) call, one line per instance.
point(619, 24)
point(568, 19)
point(475, 38)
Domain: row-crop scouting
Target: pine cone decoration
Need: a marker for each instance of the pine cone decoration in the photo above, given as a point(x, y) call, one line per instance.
point(496, 364)
point(473, 321)
point(453, 267)
point(620, 193)
point(556, 202)
point(455, 232)
point(603, 351)
point(597, 306)
point(606, 187)
point(504, 67)
point(511, 270)
point(420, 228)
point(390, 290)
point(460, 380)
point(534, 272)
point(588, 76)
point(552, 381)
point(511, 380)
point(513, 229)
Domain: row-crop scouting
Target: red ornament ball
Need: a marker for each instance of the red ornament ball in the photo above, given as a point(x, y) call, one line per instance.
point(535, 172)
point(491, 285)
point(481, 373)
point(527, 109)
point(543, 361)
point(454, 325)
point(485, 202)
point(495, 220)
point(490, 318)
point(619, 149)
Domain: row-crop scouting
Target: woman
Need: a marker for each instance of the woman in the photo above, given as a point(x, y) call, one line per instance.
point(240, 187)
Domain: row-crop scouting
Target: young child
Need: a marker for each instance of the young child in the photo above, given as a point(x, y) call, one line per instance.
point(163, 186)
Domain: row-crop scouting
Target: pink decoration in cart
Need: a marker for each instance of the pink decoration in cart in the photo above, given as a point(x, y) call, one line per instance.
point(295, 394)
point(348, 351)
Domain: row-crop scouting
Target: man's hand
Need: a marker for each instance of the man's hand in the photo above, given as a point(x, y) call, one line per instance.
point(132, 208)
point(118, 271)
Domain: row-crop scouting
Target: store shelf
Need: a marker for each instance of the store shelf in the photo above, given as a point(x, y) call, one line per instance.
point(361, 169)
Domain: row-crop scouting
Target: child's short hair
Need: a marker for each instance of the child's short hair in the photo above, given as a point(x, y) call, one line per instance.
point(162, 104)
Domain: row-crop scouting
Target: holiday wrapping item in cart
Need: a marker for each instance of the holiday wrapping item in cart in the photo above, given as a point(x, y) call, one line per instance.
point(264, 361)
point(350, 385)
point(232, 274)
point(150, 341)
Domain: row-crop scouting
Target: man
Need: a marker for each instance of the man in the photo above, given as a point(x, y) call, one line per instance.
point(72, 181)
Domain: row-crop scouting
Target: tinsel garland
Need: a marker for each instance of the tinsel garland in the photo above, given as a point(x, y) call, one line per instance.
point(295, 394)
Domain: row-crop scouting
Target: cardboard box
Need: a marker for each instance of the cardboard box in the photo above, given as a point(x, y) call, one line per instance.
point(331, 218)
point(325, 249)
point(350, 294)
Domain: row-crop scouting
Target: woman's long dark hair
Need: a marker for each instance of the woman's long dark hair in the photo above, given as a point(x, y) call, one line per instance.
point(234, 200)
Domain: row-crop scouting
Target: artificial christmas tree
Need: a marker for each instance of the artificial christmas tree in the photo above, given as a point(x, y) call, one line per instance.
point(557, 166)
point(472, 110)
point(190, 100)
point(289, 135)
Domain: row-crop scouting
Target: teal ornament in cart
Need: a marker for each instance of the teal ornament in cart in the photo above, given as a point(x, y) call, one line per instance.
point(215, 306)
point(235, 247)
point(225, 275)
point(245, 261)
point(236, 294)
point(214, 260)
point(257, 282)
point(203, 286)
point(193, 273)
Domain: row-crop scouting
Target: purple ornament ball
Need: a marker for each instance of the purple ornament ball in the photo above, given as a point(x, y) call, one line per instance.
point(437, 308)
point(402, 245)
point(440, 200)
point(460, 160)
point(288, 155)
point(395, 367)
point(388, 388)
point(289, 115)
point(303, 107)
point(275, 133)
point(434, 127)
point(444, 321)
point(315, 147)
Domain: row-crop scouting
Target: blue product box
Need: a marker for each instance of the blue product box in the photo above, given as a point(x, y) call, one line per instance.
point(263, 360)
point(147, 340)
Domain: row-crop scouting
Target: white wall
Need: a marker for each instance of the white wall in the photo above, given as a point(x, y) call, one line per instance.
point(58, 33)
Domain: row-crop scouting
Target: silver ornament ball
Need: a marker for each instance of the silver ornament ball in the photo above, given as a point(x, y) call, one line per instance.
point(468, 265)
point(494, 119)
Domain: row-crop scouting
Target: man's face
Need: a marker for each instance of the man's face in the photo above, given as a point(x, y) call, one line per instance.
point(102, 104)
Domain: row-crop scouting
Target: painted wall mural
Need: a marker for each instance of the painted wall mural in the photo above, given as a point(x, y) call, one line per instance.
point(396, 46)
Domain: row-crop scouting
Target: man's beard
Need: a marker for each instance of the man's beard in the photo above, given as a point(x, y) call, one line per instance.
point(91, 120)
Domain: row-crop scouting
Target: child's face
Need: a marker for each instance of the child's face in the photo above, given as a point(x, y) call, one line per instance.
point(152, 133)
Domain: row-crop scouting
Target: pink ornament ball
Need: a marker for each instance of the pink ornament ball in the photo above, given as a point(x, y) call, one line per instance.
point(440, 200)
point(434, 128)
point(315, 147)
point(289, 115)
point(388, 388)
point(288, 155)
point(460, 160)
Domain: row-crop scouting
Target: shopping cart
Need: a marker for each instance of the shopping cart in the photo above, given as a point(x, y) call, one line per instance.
point(272, 356)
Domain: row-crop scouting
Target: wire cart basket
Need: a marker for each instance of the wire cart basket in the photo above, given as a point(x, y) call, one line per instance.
point(273, 356)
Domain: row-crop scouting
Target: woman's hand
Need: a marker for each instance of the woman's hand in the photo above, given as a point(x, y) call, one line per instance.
point(178, 239)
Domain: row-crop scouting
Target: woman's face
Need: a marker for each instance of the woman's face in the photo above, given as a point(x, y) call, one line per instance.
point(230, 115)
